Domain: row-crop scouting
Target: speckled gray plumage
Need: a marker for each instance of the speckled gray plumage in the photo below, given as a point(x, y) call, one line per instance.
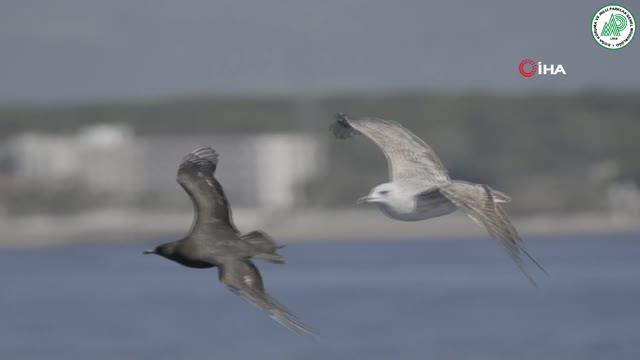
point(420, 187)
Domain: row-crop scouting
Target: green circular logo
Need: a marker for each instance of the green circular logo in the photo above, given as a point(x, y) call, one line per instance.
point(613, 27)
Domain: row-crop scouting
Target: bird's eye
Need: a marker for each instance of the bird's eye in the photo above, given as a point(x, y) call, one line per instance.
point(384, 192)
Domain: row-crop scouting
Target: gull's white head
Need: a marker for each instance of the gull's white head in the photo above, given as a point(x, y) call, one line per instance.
point(382, 193)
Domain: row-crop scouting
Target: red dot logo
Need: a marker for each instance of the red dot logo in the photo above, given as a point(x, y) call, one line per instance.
point(527, 68)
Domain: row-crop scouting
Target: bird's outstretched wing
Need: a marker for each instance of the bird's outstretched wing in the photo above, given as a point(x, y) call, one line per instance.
point(412, 162)
point(479, 203)
point(243, 278)
point(210, 204)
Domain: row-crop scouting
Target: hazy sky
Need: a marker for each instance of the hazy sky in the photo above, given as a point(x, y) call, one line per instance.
point(82, 50)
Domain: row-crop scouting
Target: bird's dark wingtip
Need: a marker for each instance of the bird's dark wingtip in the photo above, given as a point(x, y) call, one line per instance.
point(342, 129)
point(206, 153)
point(342, 117)
point(203, 158)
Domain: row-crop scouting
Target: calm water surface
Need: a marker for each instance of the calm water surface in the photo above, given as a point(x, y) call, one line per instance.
point(394, 299)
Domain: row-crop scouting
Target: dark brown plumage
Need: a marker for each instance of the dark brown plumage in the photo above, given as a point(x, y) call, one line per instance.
point(214, 240)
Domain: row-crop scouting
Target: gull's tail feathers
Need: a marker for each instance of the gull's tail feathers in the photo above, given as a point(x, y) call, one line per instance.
point(499, 196)
point(484, 206)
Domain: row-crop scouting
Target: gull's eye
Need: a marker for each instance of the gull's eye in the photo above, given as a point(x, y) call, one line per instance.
point(384, 192)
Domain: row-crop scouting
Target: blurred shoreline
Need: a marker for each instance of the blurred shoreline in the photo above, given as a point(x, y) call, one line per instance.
point(365, 225)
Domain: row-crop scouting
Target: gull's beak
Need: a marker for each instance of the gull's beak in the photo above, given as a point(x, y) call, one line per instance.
point(147, 252)
point(364, 199)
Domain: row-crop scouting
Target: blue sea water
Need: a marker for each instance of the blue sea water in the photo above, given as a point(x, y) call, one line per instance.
point(390, 299)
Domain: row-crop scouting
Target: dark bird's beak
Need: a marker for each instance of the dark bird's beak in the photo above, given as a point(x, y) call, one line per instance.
point(147, 252)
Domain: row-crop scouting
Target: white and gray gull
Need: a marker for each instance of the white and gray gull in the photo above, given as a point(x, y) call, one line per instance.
point(420, 187)
point(214, 241)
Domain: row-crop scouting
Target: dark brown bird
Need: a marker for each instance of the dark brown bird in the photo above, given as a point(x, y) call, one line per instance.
point(214, 241)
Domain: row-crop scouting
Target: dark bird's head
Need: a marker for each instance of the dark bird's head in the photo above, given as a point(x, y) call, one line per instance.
point(164, 250)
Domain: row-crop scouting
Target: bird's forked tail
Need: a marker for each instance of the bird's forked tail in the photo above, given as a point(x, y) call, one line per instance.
point(266, 249)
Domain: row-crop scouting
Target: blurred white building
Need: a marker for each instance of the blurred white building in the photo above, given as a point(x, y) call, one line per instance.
point(259, 171)
point(624, 201)
point(100, 158)
point(107, 158)
point(264, 171)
